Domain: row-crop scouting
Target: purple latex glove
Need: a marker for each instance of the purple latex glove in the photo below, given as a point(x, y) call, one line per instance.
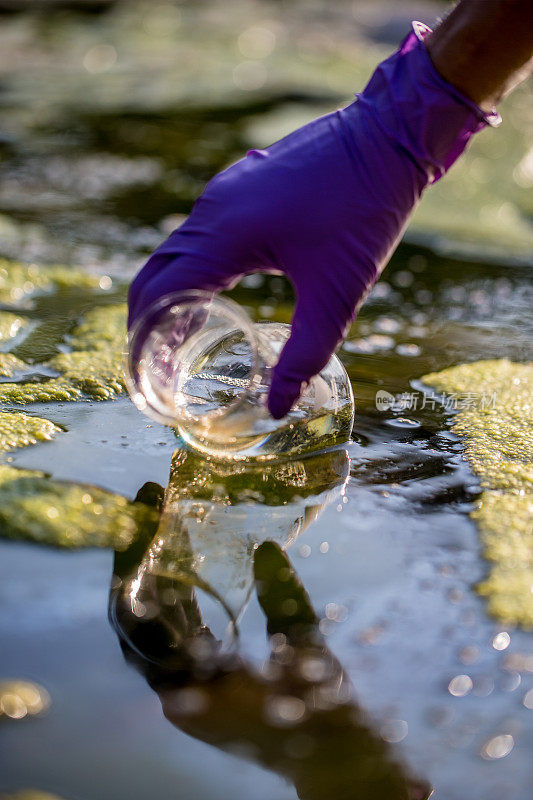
point(326, 206)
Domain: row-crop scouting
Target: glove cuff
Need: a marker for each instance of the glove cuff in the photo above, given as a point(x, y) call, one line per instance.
point(425, 115)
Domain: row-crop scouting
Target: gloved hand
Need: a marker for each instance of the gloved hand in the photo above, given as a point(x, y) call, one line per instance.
point(326, 206)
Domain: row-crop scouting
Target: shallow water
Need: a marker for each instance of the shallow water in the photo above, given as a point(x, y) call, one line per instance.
point(390, 565)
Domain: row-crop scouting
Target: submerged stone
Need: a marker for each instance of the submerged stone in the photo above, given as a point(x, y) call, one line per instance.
point(497, 427)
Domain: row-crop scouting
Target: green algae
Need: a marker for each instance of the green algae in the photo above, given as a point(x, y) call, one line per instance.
point(32, 506)
point(102, 328)
point(97, 374)
point(10, 325)
point(85, 375)
point(55, 390)
point(21, 430)
point(499, 446)
point(38, 509)
point(10, 364)
point(94, 369)
point(19, 282)
point(67, 515)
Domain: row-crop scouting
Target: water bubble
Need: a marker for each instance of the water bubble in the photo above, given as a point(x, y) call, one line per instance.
point(510, 682)
point(19, 699)
point(498, 747)
point(13, 706)
point(501, 641)
point(380, 291)
point(250, 75)
point(370, 344)
point(284, 710)
point(314, 669)
point(256, 42)
point(403, 279)
point(387, 325)
point(460, 686)
point(527, 702)
point(190, 702)
point(519, 662)
point(304, 551)
point(403, 422)
point(394, 730)
point(418, 263)
point(99, 58)
point(324, 547)
point(469, 654)
point(484, 686)
point(266, 311)
point(408, 349)
point(289, 607)
point(277, 642)
point(254, 281)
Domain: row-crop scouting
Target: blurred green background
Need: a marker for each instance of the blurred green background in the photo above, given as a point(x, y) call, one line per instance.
point(113, 115)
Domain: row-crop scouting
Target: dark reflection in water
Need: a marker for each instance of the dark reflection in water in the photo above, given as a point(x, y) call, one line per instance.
point(222, 535)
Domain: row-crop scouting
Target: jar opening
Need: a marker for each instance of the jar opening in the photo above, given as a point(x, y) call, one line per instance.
point(193, 357)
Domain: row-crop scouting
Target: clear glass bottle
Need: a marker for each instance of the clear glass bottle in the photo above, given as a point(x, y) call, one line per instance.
point(199, 364)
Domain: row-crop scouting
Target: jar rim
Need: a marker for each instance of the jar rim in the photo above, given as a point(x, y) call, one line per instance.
point(142, 327)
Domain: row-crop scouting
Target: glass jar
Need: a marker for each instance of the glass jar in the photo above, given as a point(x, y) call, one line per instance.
point(198, 363)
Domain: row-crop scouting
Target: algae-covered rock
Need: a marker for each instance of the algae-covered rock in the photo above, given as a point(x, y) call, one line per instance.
point(92, 371)
point(497, 427)
point(67, 515)
point(32, 506)
point(95, 374)
point(21, 430)
point(102, 328)
point(54, 390)
point(10, 325)
point(10, 364)
point(51, 512)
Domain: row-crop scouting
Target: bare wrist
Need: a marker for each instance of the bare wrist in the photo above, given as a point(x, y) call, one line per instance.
point(483, 47)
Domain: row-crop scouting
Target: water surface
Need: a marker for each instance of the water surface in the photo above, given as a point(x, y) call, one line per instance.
point(390, 565)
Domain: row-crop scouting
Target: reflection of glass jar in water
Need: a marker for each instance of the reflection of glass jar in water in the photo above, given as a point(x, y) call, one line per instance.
point(197, 362)
point(198, 571)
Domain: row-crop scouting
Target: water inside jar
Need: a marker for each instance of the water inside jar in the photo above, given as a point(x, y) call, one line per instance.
point(224, 371)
